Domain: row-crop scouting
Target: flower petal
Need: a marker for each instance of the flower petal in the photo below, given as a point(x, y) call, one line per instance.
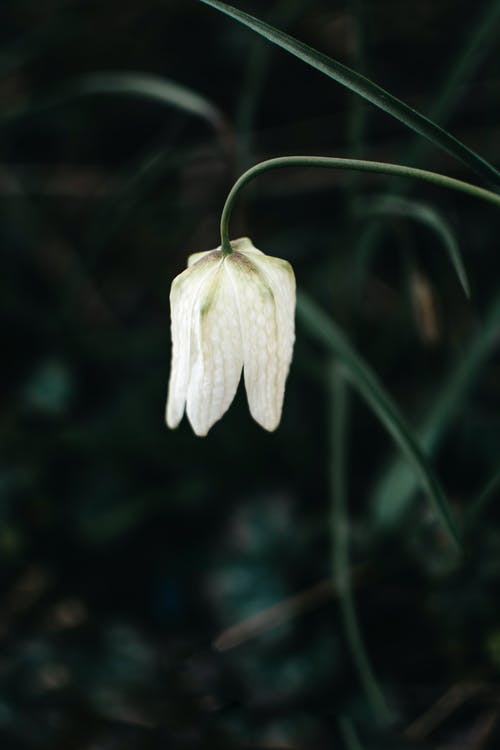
point(195, 257)
point(217, 352)
point(245, 245)
point(266, 299)
point(184, 293)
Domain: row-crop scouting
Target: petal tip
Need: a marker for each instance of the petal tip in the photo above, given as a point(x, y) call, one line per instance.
point(199, 429)
point(171, 422)
point(269, 421)
point(174, 412)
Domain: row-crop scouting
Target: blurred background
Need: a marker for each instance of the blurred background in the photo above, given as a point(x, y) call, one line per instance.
point(160, 590)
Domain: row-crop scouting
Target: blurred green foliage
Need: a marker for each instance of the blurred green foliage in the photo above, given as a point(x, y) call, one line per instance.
point(130, 553)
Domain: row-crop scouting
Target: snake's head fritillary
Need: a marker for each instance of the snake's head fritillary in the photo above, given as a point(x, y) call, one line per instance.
point(230, 312)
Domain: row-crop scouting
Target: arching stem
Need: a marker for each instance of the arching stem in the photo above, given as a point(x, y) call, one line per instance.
point(327, 162)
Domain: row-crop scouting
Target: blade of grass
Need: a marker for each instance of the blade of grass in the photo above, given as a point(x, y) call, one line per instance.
point(323, 329)
point(349, 735)
point(358, 115)
point(480, 504)
point(148, 86)
point(255, 76)
point(339, 424)
point(466, 62)
point(367, 89)
point(393, 205)
point(142, 85)
point(394, 490)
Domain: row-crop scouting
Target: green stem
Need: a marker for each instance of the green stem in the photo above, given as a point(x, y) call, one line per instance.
point(340, 546)
point(360, 165)
point(226, 244)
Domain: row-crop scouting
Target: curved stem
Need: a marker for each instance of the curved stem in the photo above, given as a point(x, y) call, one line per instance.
point(330, 162)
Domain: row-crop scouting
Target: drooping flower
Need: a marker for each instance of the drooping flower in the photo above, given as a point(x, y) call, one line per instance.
point(230, 312)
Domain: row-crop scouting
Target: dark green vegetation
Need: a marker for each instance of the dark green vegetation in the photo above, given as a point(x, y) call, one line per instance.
point(246, 590)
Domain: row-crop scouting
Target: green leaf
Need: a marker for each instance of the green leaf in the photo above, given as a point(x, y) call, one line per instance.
point(362, 377)
point(394, 490)
point(340, 531)
point(480, 504)
point(143, 85)
point(392, 205)
point(365, 88)
point(147, 86)
point(456, 83)
point(255, 75)
point(349, 735)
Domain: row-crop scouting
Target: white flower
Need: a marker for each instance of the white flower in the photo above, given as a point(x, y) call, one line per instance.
point(230, 312)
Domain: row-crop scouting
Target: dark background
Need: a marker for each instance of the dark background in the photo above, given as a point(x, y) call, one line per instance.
point(128, 550)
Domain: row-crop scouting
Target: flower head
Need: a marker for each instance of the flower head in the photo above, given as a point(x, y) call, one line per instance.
point(230, 312)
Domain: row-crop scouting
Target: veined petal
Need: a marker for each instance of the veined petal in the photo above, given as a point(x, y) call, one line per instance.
point(184, 293)
point(217, 352)
point(195, 257)
point(265, 290)
point(245, 245)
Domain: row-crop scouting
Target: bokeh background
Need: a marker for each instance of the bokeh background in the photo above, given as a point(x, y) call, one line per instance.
point(164, 591)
